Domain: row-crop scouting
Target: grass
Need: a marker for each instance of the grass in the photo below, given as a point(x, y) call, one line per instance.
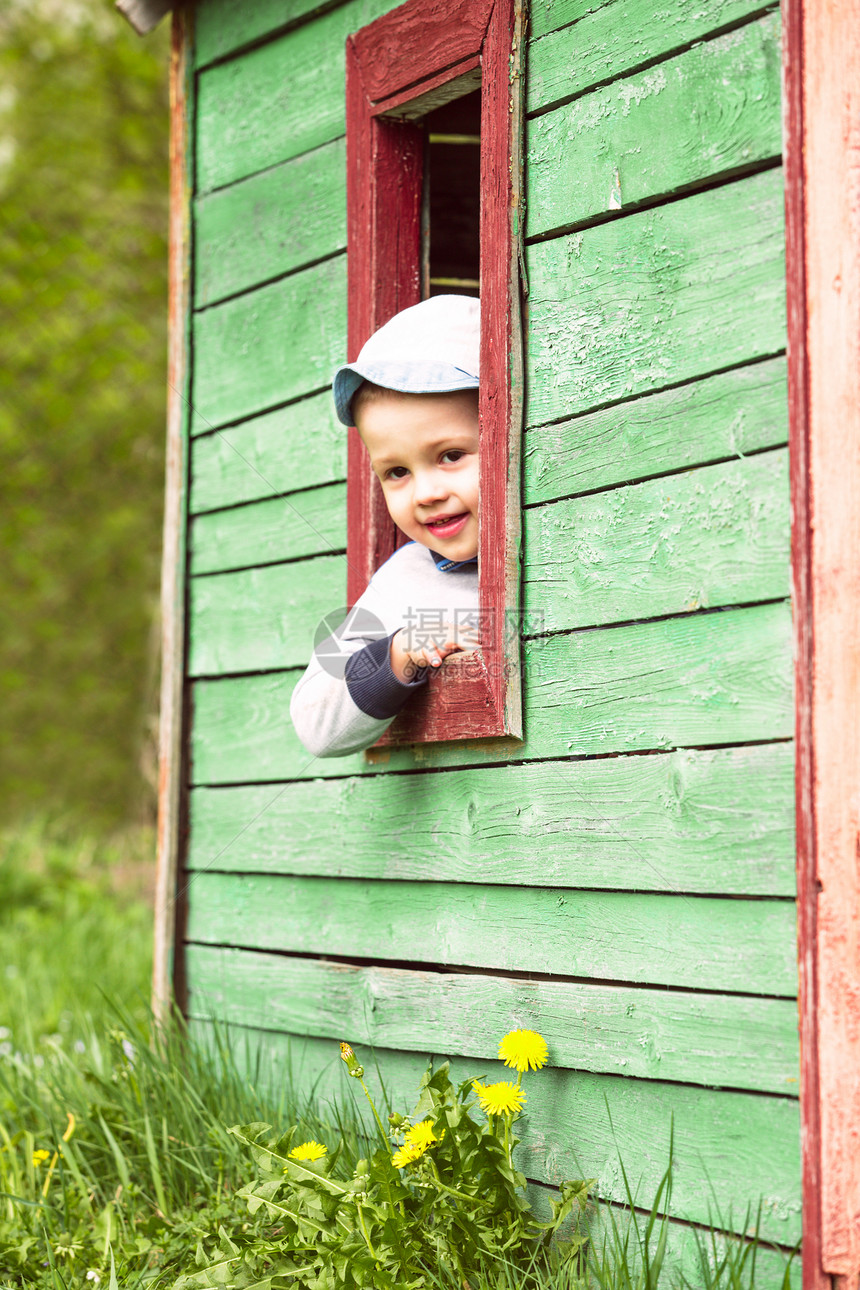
point(148, 1170)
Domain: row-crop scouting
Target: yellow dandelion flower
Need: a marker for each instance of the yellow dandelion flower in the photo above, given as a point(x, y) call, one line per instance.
point(523, 1050)
point(407, 1155)
point(308, 1151)
point(39, 1158)
point(421, 1135)
point(501, 1099)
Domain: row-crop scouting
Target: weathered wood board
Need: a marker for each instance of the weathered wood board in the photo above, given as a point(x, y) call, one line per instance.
point(706, 679)
point(715, 536)
point(264, 617)
point(223, 27)
point(697, 941)
point(623, 879)
point(739, 1147)
point(712, 1039)
point(271, 224)
point(302, 443)
point(716, 822)
point(656, 298)
point(711, 111)
point(579, 43)
point(725, 416)
point(272, 345)
point(281, 528)
point(251, 115)
point(690, 1251)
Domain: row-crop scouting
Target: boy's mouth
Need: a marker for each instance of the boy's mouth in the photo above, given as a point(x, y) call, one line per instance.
point(447, 525)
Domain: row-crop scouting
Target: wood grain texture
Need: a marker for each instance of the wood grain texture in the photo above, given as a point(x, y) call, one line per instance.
point(713, 678)
point(712, 1039)
point(656, 298)
point(172, 728)
point(738, 1146)
point(580, 43)
point(264, 617)
point(714, 536)
point(718, 536)
point(279, 99)
point(824, 288)
point(734, 945)
point(224, 26)
point(300, 445)
point(814, 1277)
point(273, 344)
point(418, 40)
point(270, 224)
point(281, 528)
point(775, 1268)
point(728, 415)
point(716, 822)
point(712, 110)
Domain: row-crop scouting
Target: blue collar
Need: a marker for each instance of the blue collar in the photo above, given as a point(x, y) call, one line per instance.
point(444, 565)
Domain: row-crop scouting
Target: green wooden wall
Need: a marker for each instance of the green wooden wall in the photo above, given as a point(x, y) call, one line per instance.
point(630, 868)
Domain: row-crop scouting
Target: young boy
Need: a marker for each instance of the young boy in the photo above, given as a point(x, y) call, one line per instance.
point(412, 394)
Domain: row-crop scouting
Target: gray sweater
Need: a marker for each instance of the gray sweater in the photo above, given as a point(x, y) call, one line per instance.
point(349, 695)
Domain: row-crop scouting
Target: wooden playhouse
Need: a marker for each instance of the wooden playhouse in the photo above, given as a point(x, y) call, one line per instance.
point(631, 828)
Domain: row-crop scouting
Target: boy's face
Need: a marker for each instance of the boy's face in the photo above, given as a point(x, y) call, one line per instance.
point(424, 451)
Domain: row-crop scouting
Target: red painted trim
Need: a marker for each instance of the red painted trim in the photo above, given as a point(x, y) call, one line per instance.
point(822, 145)
point(801, 564)
point(422, 45)
point(384, 170)
point(405, 97)
point(418, 40)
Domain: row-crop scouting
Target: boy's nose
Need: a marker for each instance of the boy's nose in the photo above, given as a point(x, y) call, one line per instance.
point(430, 487)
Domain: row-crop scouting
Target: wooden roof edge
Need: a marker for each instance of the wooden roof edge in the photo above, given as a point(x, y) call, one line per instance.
point(144, 15)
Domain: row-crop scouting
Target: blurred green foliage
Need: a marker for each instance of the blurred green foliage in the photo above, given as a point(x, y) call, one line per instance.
point(83, 310)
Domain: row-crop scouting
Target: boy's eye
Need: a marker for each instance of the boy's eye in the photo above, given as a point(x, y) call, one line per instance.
point(454, 455)
point(396, 472)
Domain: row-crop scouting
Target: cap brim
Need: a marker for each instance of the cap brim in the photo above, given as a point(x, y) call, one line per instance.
point(406, 378)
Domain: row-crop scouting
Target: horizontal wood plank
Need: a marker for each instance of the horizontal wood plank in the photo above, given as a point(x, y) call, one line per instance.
point(713, 678)
point(281, 528)
point(580, 43)
point(717, 822)
point(712, 110)
point(722, 1041)
point(301, 445)
point(745, 946)
point(686, 1248)
point(737, 1147)
point(279, 99)
point(270, 224)
point(223, 26)
point(274, 344)
point(727, 415)
point(656, 298)
point(264, 617)
point(714, 536)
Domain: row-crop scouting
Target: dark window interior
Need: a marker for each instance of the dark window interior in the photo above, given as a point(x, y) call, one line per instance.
point(452, 193)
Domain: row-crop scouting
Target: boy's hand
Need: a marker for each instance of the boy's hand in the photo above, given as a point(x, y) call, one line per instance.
point(452, 637)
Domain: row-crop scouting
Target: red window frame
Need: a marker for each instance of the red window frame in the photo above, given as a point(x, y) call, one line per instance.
point(415, 58)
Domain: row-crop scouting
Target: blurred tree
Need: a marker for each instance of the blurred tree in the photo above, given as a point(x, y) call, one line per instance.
point(83, 224)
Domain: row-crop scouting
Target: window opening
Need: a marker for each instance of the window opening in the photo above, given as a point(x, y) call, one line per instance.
point(428, 215)
point(451, 215)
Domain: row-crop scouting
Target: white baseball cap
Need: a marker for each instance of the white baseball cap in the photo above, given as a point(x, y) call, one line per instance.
point(430, 348)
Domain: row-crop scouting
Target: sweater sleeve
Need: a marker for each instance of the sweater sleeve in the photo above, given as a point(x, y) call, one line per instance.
point(349, 694)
